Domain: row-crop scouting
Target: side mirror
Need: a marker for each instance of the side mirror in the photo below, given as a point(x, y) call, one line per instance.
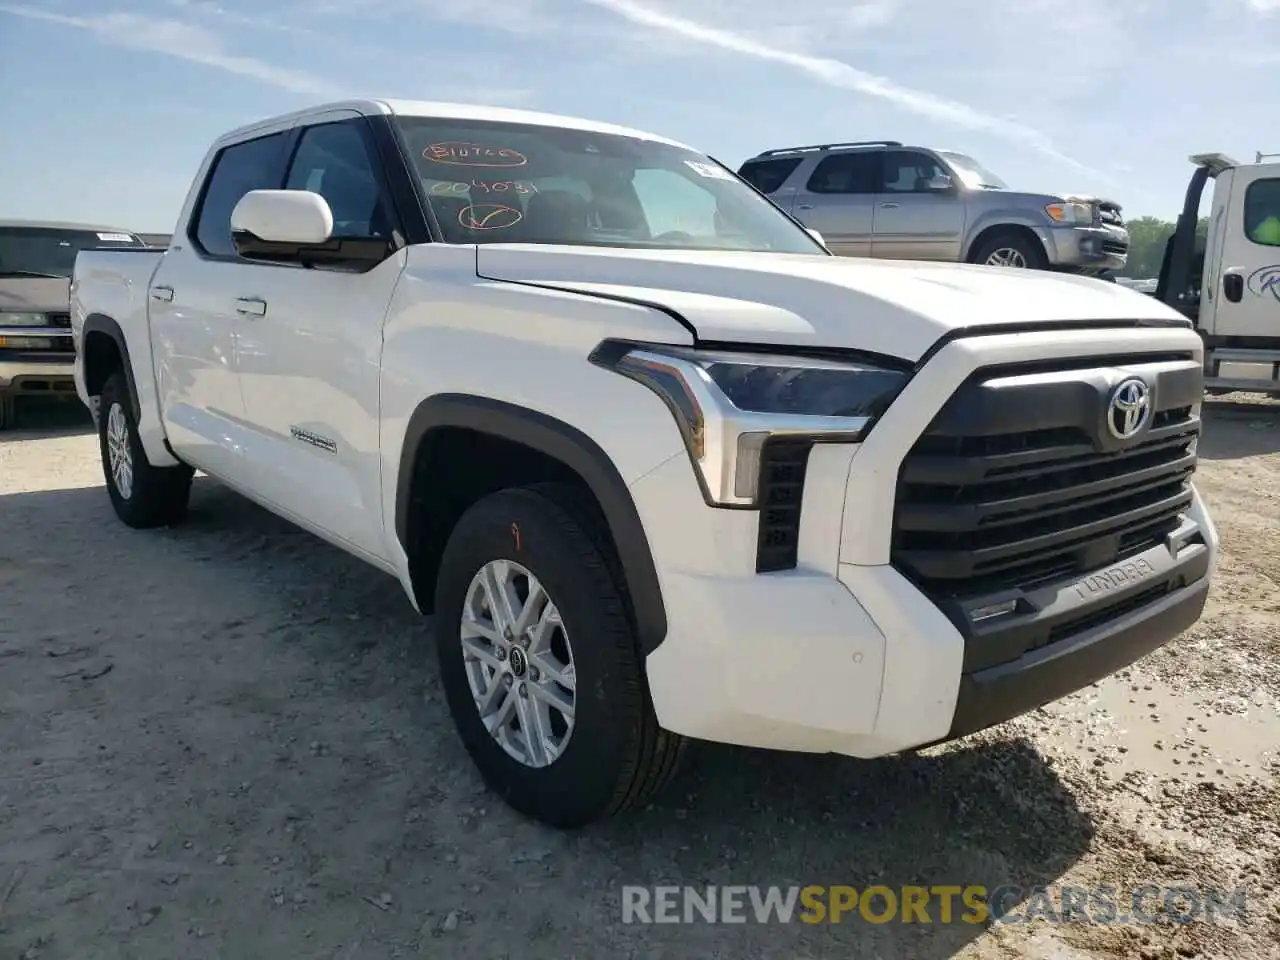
point(822, 241)
point(296, 226)
point(940, 183)
point(296, 218)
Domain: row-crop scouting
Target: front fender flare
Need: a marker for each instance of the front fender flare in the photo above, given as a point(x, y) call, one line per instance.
point(574, 449)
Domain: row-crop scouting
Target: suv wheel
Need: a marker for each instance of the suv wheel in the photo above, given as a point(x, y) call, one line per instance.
point(143, 495)
point(540, 664)
point(8, 410)
point(1011, 250)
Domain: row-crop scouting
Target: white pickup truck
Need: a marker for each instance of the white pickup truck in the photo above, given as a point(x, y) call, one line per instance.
point(659, 464)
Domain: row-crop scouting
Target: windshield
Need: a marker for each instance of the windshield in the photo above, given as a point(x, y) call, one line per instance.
point(973, 174)
point(51, 251)
point(492, 182)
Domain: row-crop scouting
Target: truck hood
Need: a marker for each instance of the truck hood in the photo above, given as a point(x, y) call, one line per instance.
point(895, 308)
point(35, 294)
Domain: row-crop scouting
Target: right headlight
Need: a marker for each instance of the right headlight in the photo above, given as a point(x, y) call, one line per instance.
point(729, 404)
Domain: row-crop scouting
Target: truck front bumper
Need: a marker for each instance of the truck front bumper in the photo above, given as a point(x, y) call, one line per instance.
point(37, 373)
point(1091, 249)
point(862, 663)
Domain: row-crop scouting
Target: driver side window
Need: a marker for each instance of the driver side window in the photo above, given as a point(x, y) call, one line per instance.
point(910, 172)
point(333, 160)
point(672, 203)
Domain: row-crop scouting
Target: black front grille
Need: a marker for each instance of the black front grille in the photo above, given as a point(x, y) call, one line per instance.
point(1016, 483)
point(1114, 246)
point(60, 320)
point(781, 487)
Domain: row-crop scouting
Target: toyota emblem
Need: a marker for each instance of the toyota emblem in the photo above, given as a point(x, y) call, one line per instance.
point(1129, 408)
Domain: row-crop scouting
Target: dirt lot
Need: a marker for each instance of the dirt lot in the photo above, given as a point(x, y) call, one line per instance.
point(226, 740)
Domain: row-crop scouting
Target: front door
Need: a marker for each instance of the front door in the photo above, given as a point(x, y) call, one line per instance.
point(311, 350)
point(194, 324)
point(916, 217)
point(1246, 290)
point(839, 201)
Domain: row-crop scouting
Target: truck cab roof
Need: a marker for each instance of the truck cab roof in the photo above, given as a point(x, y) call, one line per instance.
point(427, 108)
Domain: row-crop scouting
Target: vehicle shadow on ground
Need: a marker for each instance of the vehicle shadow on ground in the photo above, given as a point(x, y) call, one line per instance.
point(246, 617)
point(38, 417)
point(1234, 430)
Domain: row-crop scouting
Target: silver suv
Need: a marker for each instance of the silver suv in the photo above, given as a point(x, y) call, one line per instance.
point(886, 200)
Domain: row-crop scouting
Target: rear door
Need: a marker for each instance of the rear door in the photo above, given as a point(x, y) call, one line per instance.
point(914, 220)
point(838, 200)
point(193, 316)
point(1245, 291)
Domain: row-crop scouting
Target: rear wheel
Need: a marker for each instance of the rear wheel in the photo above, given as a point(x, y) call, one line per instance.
point(540, 664)
point(143, 495)
point(1010, 249)
point(8, 410)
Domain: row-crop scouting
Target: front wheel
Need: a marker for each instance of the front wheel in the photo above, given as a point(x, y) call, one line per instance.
point(540, 664)
point(1011, 249)
point(143, 495)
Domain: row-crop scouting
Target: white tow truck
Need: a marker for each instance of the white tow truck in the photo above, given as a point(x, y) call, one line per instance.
point(1231, 289)
point(658, 463)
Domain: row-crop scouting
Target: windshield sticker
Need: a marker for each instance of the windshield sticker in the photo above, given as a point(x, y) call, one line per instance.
point(115, 238)
point(459, 153)
point(1265, 280)
point(489, 216)
point(445, 188)
point(708, 170)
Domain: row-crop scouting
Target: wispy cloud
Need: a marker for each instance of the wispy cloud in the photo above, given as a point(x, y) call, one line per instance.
point(176, 38)
point(836, 73)
point(1264, 6)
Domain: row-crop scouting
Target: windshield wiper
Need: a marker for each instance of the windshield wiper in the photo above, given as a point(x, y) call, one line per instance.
point(31, 273)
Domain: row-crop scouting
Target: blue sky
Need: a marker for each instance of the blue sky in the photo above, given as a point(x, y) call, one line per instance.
point(108, 105)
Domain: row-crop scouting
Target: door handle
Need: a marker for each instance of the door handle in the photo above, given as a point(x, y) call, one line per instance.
point(804, 206)
point(889, 206)
point(162, 293)
point(1232, 286)
point(251, 306)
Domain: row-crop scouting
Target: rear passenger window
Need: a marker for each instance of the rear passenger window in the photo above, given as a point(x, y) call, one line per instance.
point(1262, 212)
point(768, 175)
point(847, 173)
point(252, 165)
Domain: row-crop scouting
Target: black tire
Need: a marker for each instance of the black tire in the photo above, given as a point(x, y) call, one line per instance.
point(8, 410)
point(1027, 246)
point(157, 496)
point(617, 756)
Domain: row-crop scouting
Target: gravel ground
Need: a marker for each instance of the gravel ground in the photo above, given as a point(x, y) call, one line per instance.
point(226, 740)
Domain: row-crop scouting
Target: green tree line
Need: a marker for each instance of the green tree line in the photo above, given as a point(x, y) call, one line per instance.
point(1147, 237)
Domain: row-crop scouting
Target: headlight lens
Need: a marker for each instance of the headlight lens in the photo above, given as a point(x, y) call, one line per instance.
point(23, 319)
point(1078, 214)
point(728, 405)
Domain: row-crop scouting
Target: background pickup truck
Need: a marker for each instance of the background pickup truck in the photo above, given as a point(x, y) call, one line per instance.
point(36, 260)
point(887, 200)
point(660, 465)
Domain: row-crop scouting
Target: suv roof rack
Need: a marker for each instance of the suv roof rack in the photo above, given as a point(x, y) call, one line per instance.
point(833, 146)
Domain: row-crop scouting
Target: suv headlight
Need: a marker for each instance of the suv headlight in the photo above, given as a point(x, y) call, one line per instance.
point(1077, 214)
point(729, 404)
point(23, 319)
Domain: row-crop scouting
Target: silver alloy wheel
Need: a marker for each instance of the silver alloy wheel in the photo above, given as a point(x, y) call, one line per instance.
point(1006, 257)
point(119, 455)
point(519, 663)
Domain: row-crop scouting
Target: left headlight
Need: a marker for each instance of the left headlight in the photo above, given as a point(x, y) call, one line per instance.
point(728, 405)
point(1077, 214)
point(23, 319)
